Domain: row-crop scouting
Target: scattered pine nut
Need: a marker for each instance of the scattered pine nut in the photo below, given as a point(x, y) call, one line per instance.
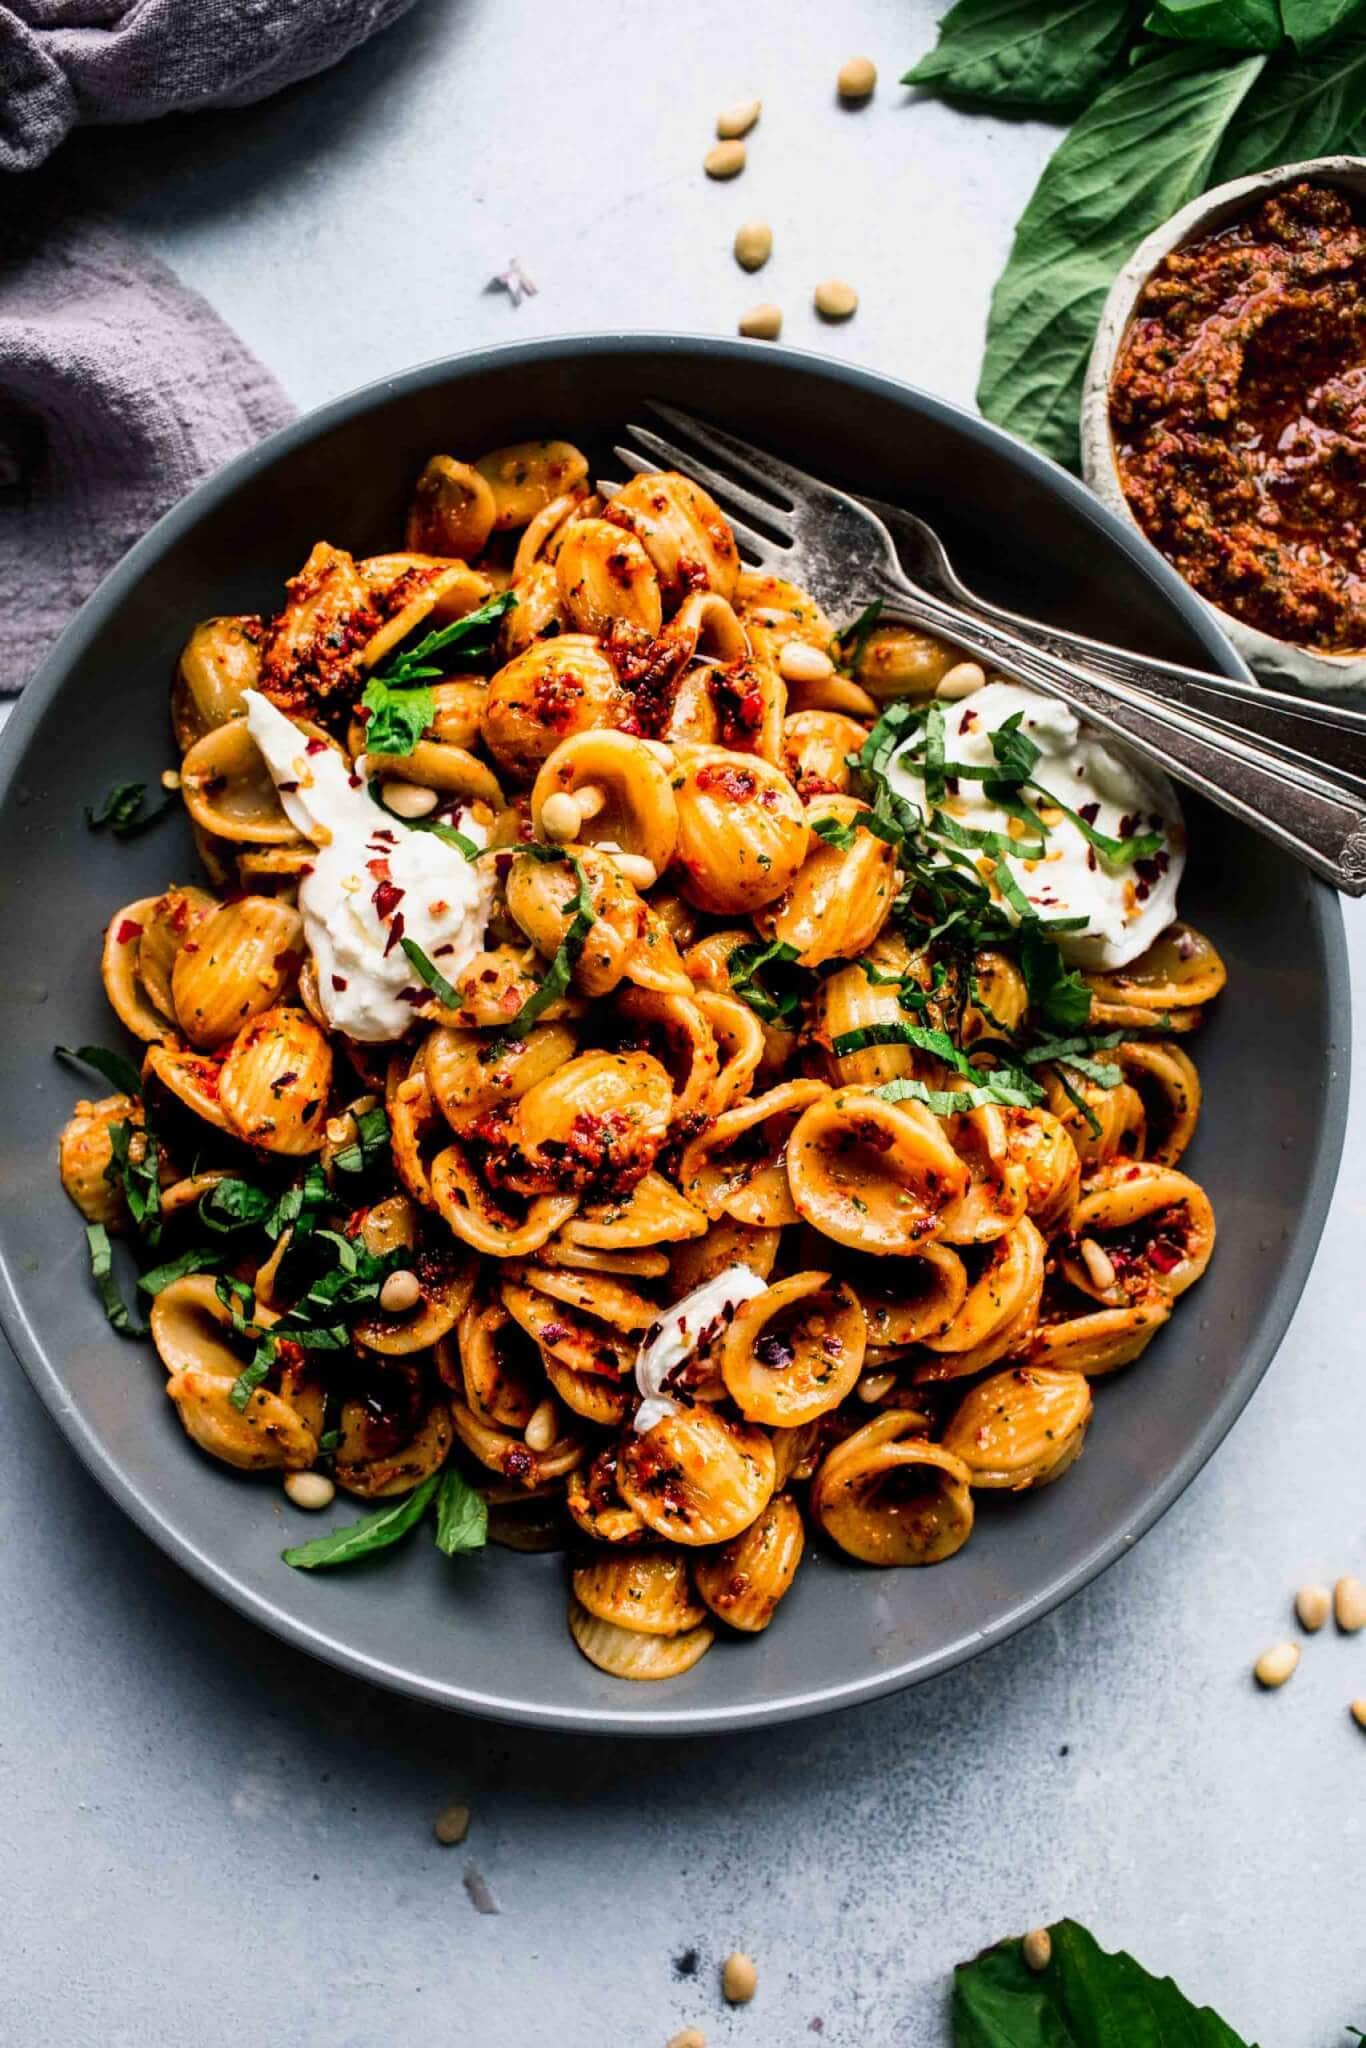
point(753, 244)
point(560, 818)
point(762, 323)
point(1349, 1605)
point(739, 119)
point(836, 300)
point(400, 1292)
point(874, 1385)
point(962, 680)
point(451, 1825)
point(1098, 1263)
point(310, 1490)
point(1037, 1948)
point(408, 799)
point(661, 750)
point(857, 78)
point(170, 778)
point(691, 2037)
point(539, 1433)
point(799, 662)
point(340, 1130)
point(590, 800)
point(739, 1979)
point(1313, 1605)
point(1358, 1712)
point(725, 160)
point(635, 869)
point(1274, 1666)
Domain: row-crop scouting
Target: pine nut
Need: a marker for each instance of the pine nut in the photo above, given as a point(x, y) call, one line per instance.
point(1349, 1605)
point(1274, 1666)
point(836, 300)
point(799, 662)
point(762, 323)
point(590, 800)
point(408, 799)
point(1037, 1948)
point(739, 1979)
point(661, 750)
point(310, 1490)
point(726, 160)
point(690, 2037)
point(170, 778)
point(962, 680)
point(857, 77)
point(400, 1292)
point(560, 818)
point(1098, 1263)
point(1313, 1605)
point(543, 1427)
point(874, 1385)
point(452, 1825)
point(739, 119)
point(340, 1130)
point(753, 244)
point(635, 869)
point(1358, 1712)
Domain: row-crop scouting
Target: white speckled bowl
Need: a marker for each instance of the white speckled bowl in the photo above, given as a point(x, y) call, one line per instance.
point(1279, 661)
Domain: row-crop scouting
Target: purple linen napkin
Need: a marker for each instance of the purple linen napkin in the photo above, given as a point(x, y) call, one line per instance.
point(119, 389)
point(67, 61)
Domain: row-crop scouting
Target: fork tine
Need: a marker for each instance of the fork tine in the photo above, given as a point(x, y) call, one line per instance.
point(722, 487)
point(792, 487)
point(765, 548)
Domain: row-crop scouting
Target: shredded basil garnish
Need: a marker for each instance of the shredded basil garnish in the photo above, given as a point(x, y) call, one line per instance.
point(745, 965)
point(102, 1272)
point(400, 705)
point(372, 1140)
point(851, 643)
point(462, 1515)
point(123, 811)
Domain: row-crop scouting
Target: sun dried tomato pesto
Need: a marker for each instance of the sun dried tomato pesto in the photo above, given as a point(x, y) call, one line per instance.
point(1238, 409)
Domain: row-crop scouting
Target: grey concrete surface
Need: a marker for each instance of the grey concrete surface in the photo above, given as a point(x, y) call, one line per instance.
point(205, 1837)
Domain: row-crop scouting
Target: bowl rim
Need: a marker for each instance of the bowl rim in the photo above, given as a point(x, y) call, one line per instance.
point(1277, 658)
point(144, 1511)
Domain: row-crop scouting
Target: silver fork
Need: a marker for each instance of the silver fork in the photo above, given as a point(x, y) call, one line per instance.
point(840, 551)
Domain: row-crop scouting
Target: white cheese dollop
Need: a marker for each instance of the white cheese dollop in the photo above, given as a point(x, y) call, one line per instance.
point(444, 902)
point(1125, 906)
point(682, 1330)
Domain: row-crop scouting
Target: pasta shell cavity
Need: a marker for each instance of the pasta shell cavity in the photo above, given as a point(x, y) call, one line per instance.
point(654, 1212)
point(816, 747)
point(165, 930)
point(841, 896)
point(696, 1478)
point(793, 1353)
point(500, 1367)
point(600, 1120)
point(273, 1085)
point(595, 1503)
point(1021, 1428)
point(1169, 1086)
point(510, 1456)
point(889, 1496)
point(1180, 971)
point(643, 1590)
point(504, 1226)
point(743, 1583)
point(907, 1300)
point(468, 1075)
point(677, 1033)
point(603, 574)
point(682, 530)
point(554, 689)
point(998, 1312)
point(724, 1243)
point(136, 1005)
point(1042, 1146)
point(997, 1191)
point(371, 1466)
point(238, 961)
point(266, 1433)
point(898, 661)
point(191, 1328)
point(218, 664)
point(637, 813)
point(446, 1283)
point(742, 834)
point(738, 1167)
point(738, 1036)
point(228, 789)
point(876, 1175)
point(541, 896)
point(452, 511)
point(1155, 1230)
point(1101, 1341)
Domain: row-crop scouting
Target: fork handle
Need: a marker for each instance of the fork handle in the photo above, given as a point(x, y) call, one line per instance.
point(1320, 823)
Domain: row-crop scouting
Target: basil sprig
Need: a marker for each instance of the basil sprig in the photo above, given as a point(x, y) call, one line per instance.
point(400, 705)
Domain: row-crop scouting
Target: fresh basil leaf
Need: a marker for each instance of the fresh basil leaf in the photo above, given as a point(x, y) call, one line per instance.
point(933, 767)
point(137, 1180)
point(372, 1143)
point(430, 974)
point(1143, 146)
point(921, 1036)
point(747, 963)
point(473, 636)
point(398, 718)
point(102, 1272)
point(1301, 107)
point(851, 643)
point(1309, 22)
point(371, 1533)
point(201, 1259)
point(251, 1376)
point(462, 1515)
point(123, 810)
point(1139, 846)
point(1057, 994)
point(116, 1067)
point(1226, 24)
point(1085, 1998)
point(1016, 754)
point(958, 1101)
point(234, 1205)
point(560, 972)
point(1041, 55)
point(835, 834)
point(300, 1207)
point(1065, 1048)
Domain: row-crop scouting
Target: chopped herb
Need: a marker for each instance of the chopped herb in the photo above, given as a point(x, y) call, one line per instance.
point(400, 705)
point(746, 964)
point(234, 1205)
point(438, 826)
point(933, 768)
point(102, 1271)
point(957, 1101)
point(1057, 992)
point(372, 1532)
point(430, 974)
point(123, 811)
point(202, 1259)
point(561, 970)
point(137, 1180)
point(372, 1139)
point(398, 718)
point(852, 642)
point(462, 1516)
point(116, 1067)
point(835, 834)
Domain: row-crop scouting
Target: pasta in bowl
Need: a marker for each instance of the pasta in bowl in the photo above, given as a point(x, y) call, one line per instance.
point(652, 1073)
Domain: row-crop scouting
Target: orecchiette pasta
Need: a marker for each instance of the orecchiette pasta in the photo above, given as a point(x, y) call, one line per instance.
point(733, 1170)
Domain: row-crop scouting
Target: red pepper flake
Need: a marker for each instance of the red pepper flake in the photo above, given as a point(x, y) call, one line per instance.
point(378, 868)
point(395, 934)
point(128, 931)
point(286, 788)
point(339, 982)
point(387, 899)
point(315, 746)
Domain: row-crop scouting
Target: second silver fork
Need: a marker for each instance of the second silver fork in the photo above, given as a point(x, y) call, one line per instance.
point(838, 549)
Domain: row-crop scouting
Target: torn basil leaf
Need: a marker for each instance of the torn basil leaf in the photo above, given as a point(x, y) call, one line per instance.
point(122, 810)
point(102, 1272)
point(116, 1067)
point(371, 1533)
point(462, 1516)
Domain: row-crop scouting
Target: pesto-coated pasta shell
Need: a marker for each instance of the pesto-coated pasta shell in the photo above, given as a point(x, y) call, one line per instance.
point(452, 510)
point(1096, 1119)
point(604, 1402)
point(627, 1653)
point(595, 1503)
point(603, 574)
point(1165, 1079)
point(900, 661)
point(416, 1128)
point(1179, 971)
point(816, 748)
point(725, 1243)
point(191, 1328)
point(85, 1151)
point(1101, 1341)
point(654, 1212)
point(743, 1583)
point(218, 664)
point(239, 960)
point(738, 1167)
point(541, 897)
point(738, 1036)
point(998, 1312)
point(578, 1341)
point(696, 1478)
point(742, 834)
point(414, 590)
point(643, 1590)
point(793, 1353)
point(1021, 1428)
point(120, 971)
point(889, 1496)
point(600, 1120)
point(1041, 1143)
point(593, 1293)
point(1154, 1226)
point(192, 1078)
point(774, 612)
point(266, 1433)
point(674, 1029)
point(173, 919)
point(841, 897)
point(511, 1456)
point(878, 1176)
point(637, 813)
point(907, 1300)
point(367, 1463)
point(500, 1367)
point(552, 689)
point(527, 475)
point(228, 789)
point(997, 1190)
point(502, 1226)
point(274, 1083)
point(682, 531)
point(445, 1286)
point(467, 1075)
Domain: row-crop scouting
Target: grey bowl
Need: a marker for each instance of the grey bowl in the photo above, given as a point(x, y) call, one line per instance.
point(489, 1635)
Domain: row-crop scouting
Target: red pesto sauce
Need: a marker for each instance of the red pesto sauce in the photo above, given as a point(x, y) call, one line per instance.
point(1238, 409)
